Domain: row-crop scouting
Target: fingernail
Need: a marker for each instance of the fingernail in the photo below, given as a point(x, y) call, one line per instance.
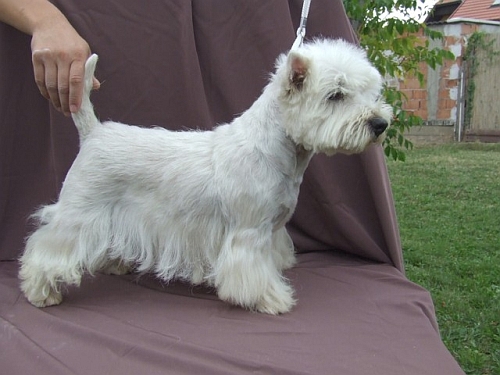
point(73, 108)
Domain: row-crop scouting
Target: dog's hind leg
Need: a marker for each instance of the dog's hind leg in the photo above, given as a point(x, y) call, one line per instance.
point(47, 263)
point(246, 274)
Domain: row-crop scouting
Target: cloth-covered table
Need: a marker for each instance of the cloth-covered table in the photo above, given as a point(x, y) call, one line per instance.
point(194, 64)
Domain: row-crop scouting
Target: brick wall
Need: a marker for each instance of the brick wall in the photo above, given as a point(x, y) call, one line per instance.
point(436, 102)
point(416, 95)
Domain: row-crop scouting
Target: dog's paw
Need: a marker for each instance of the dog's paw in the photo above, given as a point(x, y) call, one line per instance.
point(50, 298)
point(37, 288)
point(277, 300)
point(117, 268)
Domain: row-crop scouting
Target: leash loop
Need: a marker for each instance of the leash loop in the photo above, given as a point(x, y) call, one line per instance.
point(301, 30)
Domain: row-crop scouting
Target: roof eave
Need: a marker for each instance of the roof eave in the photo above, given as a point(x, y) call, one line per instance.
point(472, 20)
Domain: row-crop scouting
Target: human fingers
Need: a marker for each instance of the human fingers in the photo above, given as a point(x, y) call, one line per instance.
point(49, 75)
point(75, 88)
point(39, 72)
point(76, 83)
point(52, 81)
point(59, 56)
point(69, 84)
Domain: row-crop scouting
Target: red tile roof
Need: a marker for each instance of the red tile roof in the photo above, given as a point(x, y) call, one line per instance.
point(478, 9)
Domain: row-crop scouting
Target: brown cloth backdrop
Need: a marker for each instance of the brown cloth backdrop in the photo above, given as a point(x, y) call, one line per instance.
point(193, 64)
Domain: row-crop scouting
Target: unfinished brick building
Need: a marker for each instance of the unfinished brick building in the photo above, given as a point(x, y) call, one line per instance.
point(438, 103)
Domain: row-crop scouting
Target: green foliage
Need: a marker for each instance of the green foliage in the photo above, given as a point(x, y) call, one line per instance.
point(396, 46)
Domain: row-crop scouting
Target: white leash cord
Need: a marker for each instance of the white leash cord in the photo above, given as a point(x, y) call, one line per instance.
point(301, 31)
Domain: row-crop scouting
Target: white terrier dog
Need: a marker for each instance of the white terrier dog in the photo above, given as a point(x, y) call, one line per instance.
point(205, 206)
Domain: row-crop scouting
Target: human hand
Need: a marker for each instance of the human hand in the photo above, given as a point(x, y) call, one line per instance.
point(59, 54)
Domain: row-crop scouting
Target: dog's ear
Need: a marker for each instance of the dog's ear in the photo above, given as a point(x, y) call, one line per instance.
point(298, 67)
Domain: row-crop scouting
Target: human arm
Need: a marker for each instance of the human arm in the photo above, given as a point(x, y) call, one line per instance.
point(58, 51)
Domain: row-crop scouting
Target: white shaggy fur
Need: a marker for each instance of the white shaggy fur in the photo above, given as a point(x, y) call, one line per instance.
point(205, 206)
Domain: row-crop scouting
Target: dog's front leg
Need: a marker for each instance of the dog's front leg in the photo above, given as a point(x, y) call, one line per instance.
point(283, 249)
point(246, 273)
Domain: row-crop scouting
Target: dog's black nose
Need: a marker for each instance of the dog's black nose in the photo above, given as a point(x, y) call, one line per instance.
point(377, 125)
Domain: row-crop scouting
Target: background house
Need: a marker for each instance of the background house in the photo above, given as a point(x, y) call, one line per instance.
point(444, 102)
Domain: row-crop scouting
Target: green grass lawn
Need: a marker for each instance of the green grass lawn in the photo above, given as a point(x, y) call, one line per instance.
point(448, 205)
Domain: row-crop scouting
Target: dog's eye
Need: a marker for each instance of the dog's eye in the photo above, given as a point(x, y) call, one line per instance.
point(336, 96)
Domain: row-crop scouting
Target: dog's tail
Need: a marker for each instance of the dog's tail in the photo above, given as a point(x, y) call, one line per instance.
point(85, 119)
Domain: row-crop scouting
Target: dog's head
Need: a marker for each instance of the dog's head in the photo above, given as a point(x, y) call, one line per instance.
point(330, 97)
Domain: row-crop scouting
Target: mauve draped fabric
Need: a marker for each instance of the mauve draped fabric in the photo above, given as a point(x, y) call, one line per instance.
point(193, 64)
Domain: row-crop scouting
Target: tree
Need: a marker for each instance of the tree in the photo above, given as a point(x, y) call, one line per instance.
point(391, 33)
